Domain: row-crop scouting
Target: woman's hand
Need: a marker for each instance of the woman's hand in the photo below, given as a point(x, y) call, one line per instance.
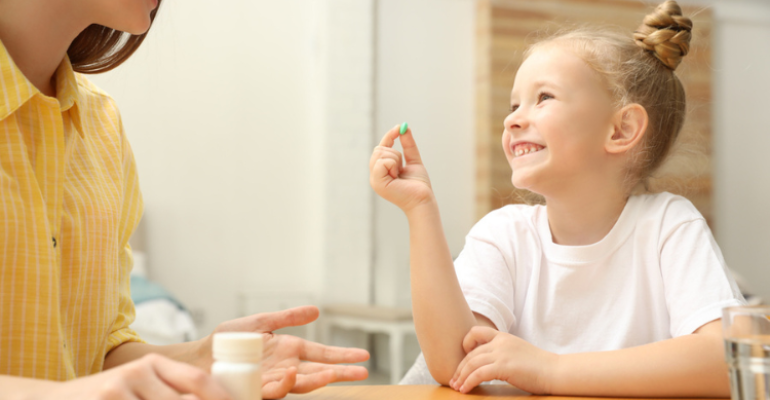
point(497, 355)
point(405, 185)
point(150, 377)
point(291, 364)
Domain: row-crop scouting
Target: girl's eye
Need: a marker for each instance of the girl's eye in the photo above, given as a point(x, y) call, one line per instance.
point(513, 108)
point(543, 96)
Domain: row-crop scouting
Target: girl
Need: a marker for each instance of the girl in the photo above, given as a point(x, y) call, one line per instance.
point(599, 292)
point(69, 201)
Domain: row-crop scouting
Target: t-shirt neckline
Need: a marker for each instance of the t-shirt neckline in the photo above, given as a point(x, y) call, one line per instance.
point(592, 252)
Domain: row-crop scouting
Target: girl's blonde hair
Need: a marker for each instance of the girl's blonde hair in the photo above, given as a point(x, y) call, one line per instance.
point(640, 70)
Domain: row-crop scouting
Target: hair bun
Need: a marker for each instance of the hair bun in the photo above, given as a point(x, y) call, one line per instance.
point(666, 33)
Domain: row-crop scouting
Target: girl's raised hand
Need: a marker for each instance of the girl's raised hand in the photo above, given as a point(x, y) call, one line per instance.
point(405, 185)
point(492, 354)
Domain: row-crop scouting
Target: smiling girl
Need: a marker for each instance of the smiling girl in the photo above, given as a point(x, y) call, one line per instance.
point(598, 292)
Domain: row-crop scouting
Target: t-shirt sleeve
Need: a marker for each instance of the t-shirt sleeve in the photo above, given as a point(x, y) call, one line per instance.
point(696, 279)
point(484, 274)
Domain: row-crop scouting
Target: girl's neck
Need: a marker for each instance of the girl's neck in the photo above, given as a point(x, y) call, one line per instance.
point(37, 34)
point(586, 217)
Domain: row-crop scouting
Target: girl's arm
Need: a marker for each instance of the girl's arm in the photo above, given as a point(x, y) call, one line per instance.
point(441, 315)
point(686, 366)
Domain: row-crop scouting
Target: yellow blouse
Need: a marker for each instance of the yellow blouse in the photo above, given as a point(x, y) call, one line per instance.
point(69, 201)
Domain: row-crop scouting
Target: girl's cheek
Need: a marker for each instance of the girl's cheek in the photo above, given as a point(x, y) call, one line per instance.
point(506, 141)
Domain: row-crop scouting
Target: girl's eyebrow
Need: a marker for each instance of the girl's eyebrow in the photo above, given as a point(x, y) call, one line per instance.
point(544, 82)
point(539, 83)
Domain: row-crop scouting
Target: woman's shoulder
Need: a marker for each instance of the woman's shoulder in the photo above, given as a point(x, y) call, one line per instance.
point(94, 97)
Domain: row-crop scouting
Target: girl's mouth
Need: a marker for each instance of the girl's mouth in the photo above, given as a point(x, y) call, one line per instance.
point(522, 149)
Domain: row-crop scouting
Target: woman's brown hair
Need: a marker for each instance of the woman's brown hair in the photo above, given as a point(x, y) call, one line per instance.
point(100, 49)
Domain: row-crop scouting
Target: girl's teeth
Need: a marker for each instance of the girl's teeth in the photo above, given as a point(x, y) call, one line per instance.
point(522, 151)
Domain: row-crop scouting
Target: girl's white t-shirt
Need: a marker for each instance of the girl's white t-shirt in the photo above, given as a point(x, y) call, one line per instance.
point(657, 274)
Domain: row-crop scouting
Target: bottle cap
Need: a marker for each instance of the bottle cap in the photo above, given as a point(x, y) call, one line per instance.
point(237, 347)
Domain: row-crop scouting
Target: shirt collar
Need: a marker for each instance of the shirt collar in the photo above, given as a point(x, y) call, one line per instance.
point(13, 84)
point(68, 93)
point(19, 89)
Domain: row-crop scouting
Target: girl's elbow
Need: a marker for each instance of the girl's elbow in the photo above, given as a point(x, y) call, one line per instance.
point(442, 372)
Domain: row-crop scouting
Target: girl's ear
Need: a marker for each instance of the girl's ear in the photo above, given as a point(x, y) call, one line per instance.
point(629, 126)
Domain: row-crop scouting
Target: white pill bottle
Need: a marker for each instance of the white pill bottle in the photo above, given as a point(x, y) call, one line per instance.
point(237, 356)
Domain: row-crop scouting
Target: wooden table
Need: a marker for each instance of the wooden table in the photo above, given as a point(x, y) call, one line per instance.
point(422, 392)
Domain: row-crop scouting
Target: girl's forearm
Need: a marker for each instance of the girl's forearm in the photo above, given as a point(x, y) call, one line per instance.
point(441, 315)
point(686, 366)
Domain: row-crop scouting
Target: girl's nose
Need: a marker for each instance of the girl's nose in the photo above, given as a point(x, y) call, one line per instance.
point(516, 120)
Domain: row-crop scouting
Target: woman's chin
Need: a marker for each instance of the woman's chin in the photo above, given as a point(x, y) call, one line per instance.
point(137, 26)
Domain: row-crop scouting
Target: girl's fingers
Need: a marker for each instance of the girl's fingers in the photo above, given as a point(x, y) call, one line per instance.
point(380, 152)
point(474, 362)
point(478, 335)
point(385, 153)
point(390, 137)
point(482, 374)
point(386, 170)
point(470, 356)
point(411, 153)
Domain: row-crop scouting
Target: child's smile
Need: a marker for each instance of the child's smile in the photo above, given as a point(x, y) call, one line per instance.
point(524, 148)
point(560, 115)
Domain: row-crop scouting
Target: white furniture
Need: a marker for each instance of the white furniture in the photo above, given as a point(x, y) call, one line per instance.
point(395, 322)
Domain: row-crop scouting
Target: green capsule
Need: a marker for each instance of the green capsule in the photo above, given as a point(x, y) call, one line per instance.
point(404, 127)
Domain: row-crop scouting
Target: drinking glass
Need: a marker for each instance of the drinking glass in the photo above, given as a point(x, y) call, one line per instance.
point(746, 331)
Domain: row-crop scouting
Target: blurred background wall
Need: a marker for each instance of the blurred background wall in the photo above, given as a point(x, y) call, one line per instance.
point(252, 123)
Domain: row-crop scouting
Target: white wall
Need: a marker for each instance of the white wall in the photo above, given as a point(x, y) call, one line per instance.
point(425, 76)
point(218, 111)
point(742, 138)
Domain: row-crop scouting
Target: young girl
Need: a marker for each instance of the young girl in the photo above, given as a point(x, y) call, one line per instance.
point(599, 292)
point(69, 201)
